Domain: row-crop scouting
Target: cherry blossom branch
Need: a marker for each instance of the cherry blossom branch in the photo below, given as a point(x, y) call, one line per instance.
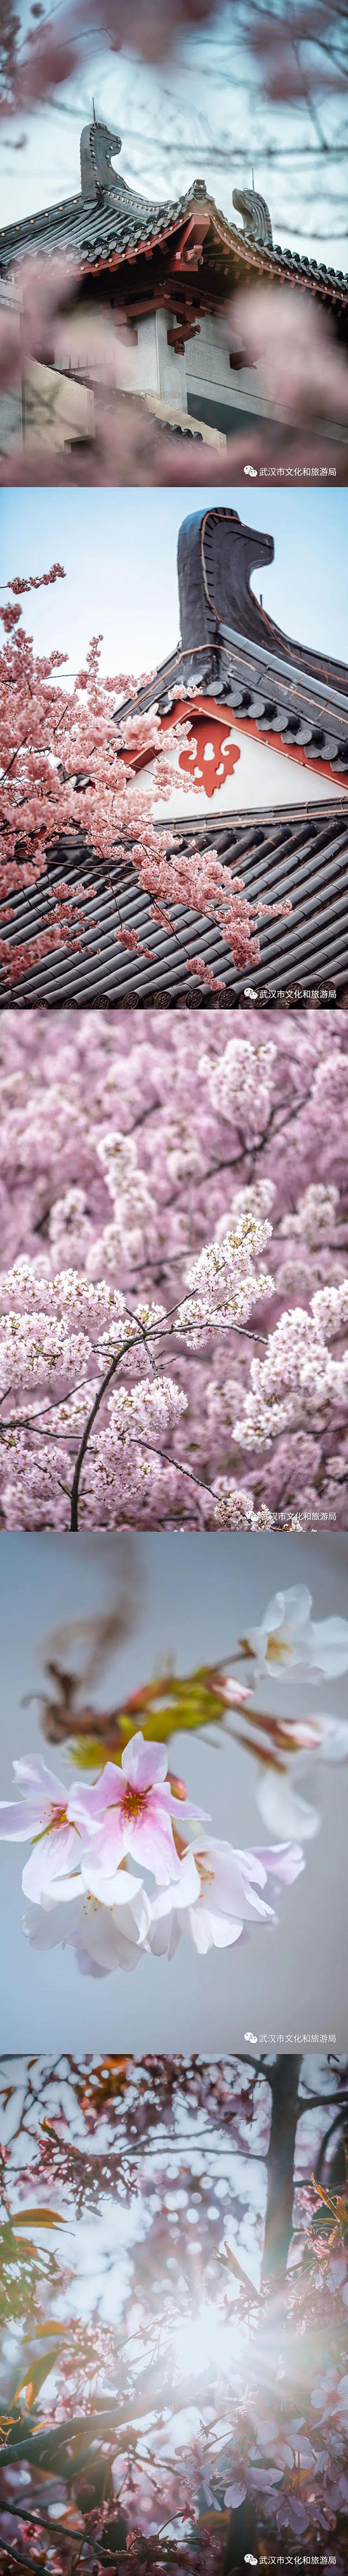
point(126, 1217)
point(91, 1418)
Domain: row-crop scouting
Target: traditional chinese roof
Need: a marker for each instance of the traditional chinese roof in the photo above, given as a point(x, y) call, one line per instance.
point(231, 654)
point(108, 223)
point(301, 851)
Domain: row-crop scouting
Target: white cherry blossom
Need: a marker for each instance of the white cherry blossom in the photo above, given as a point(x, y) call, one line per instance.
point(43, 1820)
point(104, 1937)
point(218, 1892)
point(288, 1642)
point(283, 1809)
point(130, 1809)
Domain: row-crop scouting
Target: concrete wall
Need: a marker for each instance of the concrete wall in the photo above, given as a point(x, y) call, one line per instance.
point(56, 410)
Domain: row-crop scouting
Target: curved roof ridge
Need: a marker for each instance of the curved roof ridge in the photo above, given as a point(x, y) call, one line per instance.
point(78, 223)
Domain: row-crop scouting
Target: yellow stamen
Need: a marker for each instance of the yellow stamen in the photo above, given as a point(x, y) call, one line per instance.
point(277, 1649)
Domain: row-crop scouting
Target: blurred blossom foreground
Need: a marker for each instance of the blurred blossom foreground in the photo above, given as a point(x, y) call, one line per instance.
point(174, 2372)
point(174, 1288)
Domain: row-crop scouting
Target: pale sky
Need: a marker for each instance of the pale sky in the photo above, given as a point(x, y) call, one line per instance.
point(201, 116)
point(119, 553)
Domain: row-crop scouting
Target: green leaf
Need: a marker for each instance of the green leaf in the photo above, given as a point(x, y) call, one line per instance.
point(54, 2328)
point(36, 2372)
point(42, 2217)
point(171, 1704)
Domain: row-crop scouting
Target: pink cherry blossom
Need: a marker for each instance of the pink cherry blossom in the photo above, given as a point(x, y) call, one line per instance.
point(130, 1810)
point(130, 1144)
point(281, 1860)
point(231, 1691)
point(66, 769)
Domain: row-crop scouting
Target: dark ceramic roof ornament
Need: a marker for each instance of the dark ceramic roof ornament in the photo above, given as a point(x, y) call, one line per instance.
point(216, 555)
point(232, 650)
point(97, 147)
point(257, 226)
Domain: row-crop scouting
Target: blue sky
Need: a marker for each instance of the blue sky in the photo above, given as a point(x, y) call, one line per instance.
point(119, 553)
point(202, 115)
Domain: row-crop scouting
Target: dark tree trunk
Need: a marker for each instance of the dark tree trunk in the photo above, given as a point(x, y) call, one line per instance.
point(283, 2079)
point(242, 2535)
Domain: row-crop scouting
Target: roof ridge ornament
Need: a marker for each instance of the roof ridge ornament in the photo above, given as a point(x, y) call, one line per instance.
point(216, 554)
point(257, 226)
point(97, 147)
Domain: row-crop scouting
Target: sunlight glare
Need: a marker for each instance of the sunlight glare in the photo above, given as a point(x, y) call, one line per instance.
point(203, 2342)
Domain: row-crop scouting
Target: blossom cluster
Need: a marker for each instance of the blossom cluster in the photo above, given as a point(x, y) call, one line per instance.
point(94, 1846)
point(66, 769)
point(148, 1174)
point(299, 1365)
point(41, 1348)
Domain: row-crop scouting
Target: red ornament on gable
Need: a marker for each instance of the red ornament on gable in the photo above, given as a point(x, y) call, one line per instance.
point(210, 756)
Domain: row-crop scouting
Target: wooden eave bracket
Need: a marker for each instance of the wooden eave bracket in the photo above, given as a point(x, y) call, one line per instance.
point(190, 241)
point(186, 327)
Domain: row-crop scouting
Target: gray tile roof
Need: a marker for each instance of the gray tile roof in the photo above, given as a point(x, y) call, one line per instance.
point(301, 851)
point(119, 225)
point(303, 716)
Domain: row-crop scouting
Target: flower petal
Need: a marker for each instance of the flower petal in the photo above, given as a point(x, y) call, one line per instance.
point(45, 1929)
point(150, 1839)
point(87, 1804)
point(33, 1773)
point(50, 1855)
point(235, 2495)
point(210, 1930)
point(232, 1893)
point(284, 1861)
point(282, 1809)
point(331, 1644)
point(144, 1764)
point(185, 1892)
point(118, 1890)
point(333, 1738)
point(111, 1943)
point(17, 1824)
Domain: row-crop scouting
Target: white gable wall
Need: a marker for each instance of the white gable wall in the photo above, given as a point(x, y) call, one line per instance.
point(262, 777)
